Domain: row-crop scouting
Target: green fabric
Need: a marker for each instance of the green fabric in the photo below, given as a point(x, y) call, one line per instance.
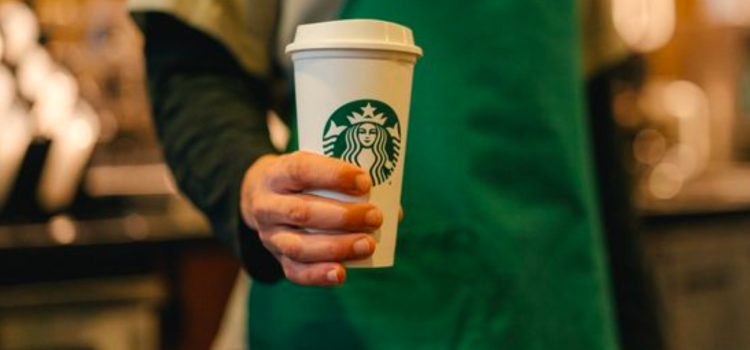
point(500, 247)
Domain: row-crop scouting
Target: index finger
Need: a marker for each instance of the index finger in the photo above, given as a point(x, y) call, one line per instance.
point(302, 171)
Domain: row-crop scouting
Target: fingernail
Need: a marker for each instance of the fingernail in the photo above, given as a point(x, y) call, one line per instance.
point(362, 183)
point(333, 276)
point(362, 247)
point(373, 218)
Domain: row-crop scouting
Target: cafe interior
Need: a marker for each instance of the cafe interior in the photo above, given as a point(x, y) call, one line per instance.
point(99, 250)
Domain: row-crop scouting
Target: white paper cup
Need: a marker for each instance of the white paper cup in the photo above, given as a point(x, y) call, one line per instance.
point(353, 83)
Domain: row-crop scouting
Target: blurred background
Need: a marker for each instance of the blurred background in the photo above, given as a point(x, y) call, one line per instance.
point(99, 251)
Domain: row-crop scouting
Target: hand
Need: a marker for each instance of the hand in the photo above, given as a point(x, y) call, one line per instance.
point(274, 203)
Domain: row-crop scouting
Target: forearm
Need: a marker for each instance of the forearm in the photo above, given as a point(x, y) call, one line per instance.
point(210, 117)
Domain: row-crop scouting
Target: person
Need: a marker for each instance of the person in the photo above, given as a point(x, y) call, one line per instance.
point(500, 247)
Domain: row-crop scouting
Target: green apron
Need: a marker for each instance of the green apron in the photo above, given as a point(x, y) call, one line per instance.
point(500, 247)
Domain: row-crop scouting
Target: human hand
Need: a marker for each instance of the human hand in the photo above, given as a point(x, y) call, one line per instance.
point(274, 203)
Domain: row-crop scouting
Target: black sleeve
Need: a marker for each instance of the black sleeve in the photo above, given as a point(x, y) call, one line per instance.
point(210, 116)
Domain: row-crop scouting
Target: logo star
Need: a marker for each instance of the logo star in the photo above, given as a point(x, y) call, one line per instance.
point(334, 130)
point(369, 110)
point(394, 131)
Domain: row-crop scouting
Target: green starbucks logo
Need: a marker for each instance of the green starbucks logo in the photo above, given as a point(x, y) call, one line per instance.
point(365, 133)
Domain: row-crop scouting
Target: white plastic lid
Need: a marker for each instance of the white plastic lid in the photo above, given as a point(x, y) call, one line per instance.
point(364, 34)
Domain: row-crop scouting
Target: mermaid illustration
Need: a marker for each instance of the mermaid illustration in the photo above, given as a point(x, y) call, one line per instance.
point(365, 139)
point(365, 147)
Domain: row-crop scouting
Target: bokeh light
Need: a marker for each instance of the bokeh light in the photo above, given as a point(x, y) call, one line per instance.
point(33, 71)
point(732, 12)
point(645, 25)
point(665, 181)
point(62, 229)
point(684, 99)
point(57, 98)
point(20, 29)
point(70, 151)
point(649, 146)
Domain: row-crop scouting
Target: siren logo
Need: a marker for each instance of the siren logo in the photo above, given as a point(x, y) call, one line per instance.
point(365, 133)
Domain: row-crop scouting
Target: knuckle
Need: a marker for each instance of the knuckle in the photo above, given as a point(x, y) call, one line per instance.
point(295, 170)
point(268, 244)
point(299, 275)
point(336, 251)
point(289, 272)
point(275, 182)
point(355, 215)
point(278, 172)
point(291, 249)
point(263, 236)
point(274, 170)
point(340, 168)
point(298, 212)
point(327, 251)
point(309, 276)
point(340, 172)
point(260, 211)
point(255, 207)
point(266, 238)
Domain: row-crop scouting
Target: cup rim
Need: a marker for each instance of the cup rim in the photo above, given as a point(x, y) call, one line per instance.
point(354, 34)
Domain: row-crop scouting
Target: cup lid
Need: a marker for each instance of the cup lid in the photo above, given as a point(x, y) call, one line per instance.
point(365, 34)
